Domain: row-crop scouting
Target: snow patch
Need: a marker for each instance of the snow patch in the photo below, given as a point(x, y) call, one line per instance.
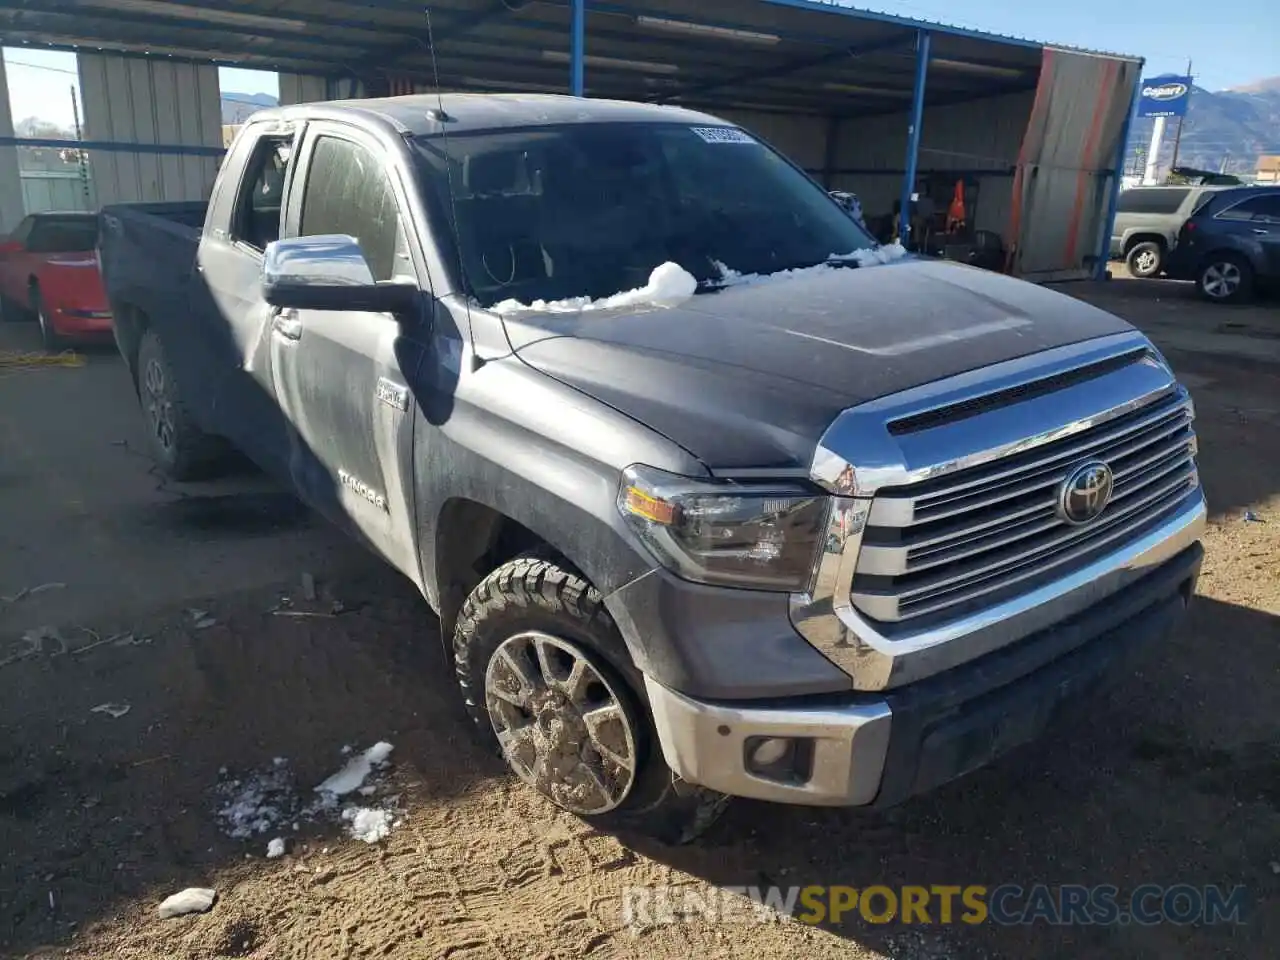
point(257, 803)
point(863, 258)
point(268, 800)
point(669, 283)
point(191, 900)
point(353, 775)
point(368, 824)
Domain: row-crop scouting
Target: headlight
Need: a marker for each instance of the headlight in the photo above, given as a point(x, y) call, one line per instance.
point(763, 537)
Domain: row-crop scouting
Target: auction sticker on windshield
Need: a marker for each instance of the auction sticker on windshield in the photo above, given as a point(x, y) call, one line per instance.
point(722, 135)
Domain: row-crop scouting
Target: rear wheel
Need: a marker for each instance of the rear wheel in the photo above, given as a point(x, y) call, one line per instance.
point(548, 682)
point(1225, 278)
point(1145, 260)
point(179, 446)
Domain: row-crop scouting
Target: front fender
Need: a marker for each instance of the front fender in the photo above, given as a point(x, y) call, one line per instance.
point(537, 452)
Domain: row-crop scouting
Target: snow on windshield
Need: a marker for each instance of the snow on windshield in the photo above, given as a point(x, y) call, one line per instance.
point(669, 283)
point(863, 258)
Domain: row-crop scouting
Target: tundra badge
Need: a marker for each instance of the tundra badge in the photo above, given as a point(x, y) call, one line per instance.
point(392, 394)
point(363, 489)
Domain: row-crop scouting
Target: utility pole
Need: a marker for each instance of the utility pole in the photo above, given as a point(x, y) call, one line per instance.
point(80, 152)
point(1150, 175)
point(1177, 137)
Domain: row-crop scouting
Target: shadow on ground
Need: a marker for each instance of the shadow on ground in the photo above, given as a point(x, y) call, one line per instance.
point(97, 811)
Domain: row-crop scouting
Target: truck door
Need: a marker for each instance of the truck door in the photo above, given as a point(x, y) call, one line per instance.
point(338, 374)
point(245, 214)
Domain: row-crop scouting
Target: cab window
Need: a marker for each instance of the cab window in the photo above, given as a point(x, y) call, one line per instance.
point(255, 221)
point(348, 192)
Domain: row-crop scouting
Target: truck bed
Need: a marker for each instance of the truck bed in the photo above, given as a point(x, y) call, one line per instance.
point(147, 255)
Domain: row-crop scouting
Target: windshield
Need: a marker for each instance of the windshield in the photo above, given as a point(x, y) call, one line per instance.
point(588, 210)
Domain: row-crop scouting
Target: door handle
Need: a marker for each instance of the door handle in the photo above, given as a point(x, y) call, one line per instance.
point(287, 324)
point(1261, 231)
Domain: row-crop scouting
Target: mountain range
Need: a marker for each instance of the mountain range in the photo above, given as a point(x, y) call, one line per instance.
point(236, 107)
point(1224, 130)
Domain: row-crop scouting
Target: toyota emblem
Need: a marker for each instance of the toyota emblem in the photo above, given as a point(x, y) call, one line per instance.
point(1085, 493)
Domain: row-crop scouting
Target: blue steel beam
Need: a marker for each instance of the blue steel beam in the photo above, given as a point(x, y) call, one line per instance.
point(577, 39)
point(784, 70)
point(113, 146)
point(1104, 243)
point(913, 134)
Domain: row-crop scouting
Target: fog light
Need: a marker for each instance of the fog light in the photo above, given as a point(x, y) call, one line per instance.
point(783, 759)
point(769, 751)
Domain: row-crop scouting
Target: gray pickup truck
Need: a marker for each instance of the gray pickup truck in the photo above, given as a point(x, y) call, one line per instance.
point(713, 495)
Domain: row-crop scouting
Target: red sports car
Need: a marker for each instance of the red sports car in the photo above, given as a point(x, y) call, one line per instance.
point(49, 270)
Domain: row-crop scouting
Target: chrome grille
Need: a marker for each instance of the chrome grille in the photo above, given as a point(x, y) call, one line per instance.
point(943, 546)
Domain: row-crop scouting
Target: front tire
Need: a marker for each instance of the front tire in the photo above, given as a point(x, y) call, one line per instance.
point(1145, 260)
point(1225, 278)
point(181, 449)
point(548, 683)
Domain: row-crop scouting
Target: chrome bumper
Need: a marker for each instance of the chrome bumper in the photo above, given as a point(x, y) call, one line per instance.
point(880, 749)
point(706, 743)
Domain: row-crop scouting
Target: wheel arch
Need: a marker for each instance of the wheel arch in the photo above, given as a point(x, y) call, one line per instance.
point(130, 323)
point(1145, 236)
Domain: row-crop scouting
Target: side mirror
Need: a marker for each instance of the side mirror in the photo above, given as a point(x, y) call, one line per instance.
point(329, 273)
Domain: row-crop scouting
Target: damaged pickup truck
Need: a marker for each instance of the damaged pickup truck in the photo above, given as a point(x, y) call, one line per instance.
point(791, 516)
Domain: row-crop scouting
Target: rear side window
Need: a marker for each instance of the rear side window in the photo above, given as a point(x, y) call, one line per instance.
point(347, 192)
point(256, 218)
point(1137, 200)
point(63, 235)
point(1264, 209)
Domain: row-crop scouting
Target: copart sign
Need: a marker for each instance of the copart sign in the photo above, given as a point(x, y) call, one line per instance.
point(1164, 97)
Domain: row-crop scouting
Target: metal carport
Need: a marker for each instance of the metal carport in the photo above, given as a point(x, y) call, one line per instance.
point(865, 101)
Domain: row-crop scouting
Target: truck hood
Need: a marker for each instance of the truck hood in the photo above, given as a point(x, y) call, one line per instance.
point(752, 375)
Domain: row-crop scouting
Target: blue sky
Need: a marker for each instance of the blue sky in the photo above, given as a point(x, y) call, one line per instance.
point(1241, 46)
point(1225, 53)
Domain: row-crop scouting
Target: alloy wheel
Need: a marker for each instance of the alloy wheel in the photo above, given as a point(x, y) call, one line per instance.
point(158, 405)
point(1221, 280)
point(561, 724)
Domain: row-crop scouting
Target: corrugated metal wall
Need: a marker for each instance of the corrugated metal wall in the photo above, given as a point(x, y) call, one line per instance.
point(157, 102)
point(1065, 174)
point(44, 190)
point(981, 135)
point(299, 88)
point(11, 209)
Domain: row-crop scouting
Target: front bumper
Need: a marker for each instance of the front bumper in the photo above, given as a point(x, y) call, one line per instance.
point(86, 324)
point(881, 749)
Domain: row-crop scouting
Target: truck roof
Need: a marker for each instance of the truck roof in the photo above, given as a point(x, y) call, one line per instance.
point(418, 115)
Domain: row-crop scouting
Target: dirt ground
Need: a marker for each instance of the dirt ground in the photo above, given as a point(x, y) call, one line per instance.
point(1171, 778)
